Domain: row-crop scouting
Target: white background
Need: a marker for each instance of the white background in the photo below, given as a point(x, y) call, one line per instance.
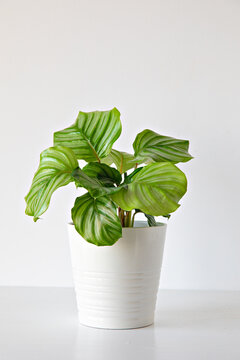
point(171, 66)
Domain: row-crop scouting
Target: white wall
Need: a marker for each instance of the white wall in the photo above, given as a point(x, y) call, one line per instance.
point(172, 66)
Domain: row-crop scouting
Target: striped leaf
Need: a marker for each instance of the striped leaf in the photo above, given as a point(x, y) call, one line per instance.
point(92, 135)
point(106, 174)
point(96, 220)
point(95, 187)
point(54, 171)
point(155, 189)
point(157, 148)
point(122, 160)
point(151, 221)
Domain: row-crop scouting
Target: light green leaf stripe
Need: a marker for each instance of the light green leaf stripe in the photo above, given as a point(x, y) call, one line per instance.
point(122, 160)
point(92, 135)
point(106, 174)
point(93, 185)
point(96, 220)
point(155, 147)
point(155, 190)
point(54, 171)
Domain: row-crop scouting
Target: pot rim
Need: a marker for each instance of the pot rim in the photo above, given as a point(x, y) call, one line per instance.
point(143, 225)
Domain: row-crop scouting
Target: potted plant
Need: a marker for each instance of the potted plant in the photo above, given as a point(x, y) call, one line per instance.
point(116, 282)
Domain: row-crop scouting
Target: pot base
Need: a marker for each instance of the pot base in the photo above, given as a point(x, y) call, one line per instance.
point(116, 328)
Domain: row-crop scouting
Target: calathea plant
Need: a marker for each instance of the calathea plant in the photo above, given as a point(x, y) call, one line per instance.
point(113, 195)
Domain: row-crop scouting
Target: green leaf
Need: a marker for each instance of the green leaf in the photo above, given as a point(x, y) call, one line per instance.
point(157, 148)
point(92, 135)
point(54, 171)
point(129, 178)
point(96, 220)
point(122, 160)
point(150, 219)
point(106, 174)
point(95, 187)
point(167, 216)
point(155, 190)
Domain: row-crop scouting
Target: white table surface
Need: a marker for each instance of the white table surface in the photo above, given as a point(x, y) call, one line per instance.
point(41, 323)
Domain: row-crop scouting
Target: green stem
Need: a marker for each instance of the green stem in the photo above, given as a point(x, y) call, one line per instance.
point(133, 217)
point(125, 217)
point(128, 221)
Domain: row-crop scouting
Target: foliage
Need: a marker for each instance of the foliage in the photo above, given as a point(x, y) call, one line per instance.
point(154, 189)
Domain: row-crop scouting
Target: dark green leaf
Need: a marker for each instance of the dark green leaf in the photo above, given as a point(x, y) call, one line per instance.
point(151, 220)
point(106, 174)
point(130, 177)
point(95, 187)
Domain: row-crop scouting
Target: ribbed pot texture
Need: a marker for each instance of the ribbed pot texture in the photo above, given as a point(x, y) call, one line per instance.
point(116, 286)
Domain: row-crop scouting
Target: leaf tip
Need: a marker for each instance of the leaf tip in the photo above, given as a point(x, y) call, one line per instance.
point(116, 111)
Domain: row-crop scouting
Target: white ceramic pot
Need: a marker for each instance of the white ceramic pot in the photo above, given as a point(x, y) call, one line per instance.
point(116, 286)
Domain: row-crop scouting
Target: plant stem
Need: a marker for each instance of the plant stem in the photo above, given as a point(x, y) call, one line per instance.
point(125, 217)
point(121, 216)
point(133, 217)
point(128, 221)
